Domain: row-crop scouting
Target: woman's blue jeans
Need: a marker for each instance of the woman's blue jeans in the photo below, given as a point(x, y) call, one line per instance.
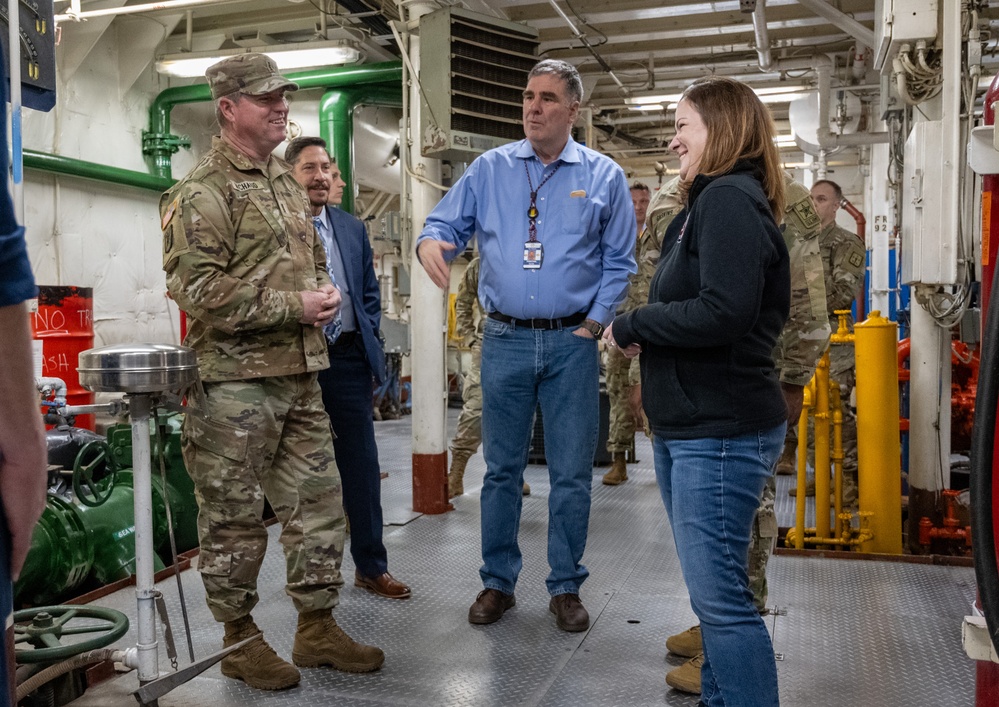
point(711, 488)
point(520, 368)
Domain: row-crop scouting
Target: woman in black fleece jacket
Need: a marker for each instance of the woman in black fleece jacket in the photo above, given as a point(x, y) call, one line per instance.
point(717, 304)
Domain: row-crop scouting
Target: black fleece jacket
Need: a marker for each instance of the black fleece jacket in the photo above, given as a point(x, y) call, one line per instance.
point(717, 303)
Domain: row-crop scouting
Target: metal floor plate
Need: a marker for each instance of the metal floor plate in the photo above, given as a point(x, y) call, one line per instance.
point(855, 632)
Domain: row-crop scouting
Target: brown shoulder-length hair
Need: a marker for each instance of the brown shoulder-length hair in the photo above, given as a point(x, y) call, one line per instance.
point(739, 127)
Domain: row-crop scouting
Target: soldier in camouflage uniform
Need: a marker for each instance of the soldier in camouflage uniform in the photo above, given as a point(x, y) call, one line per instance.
point(802, 343)
point(468, 325)
point(469, 435)
point(242, 259)
point(621, 435)
point(844, 258)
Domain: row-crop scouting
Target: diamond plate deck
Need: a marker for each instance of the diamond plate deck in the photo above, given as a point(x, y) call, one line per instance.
point(855, 632)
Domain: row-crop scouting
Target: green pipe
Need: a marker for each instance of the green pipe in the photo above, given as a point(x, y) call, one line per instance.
point(92, 170)
point(159, 144)
point(336, 125)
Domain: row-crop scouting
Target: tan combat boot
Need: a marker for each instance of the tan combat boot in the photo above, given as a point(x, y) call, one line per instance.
point(687, 644)
point(256, 663)
point(687, 678)
point(456, 475)
point(788, 462)
point(319, 641)
point(618, 473)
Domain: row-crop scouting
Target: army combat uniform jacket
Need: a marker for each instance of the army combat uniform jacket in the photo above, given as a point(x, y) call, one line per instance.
point(238, 247)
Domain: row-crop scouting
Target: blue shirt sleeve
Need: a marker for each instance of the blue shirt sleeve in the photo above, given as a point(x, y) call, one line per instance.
point(16, 280)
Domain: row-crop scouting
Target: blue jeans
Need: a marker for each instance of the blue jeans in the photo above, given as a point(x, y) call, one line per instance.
point(521, 367)
point(711, 488)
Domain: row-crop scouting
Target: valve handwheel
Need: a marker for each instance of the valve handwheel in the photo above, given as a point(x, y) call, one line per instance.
point(91, 456)
point(43, 628)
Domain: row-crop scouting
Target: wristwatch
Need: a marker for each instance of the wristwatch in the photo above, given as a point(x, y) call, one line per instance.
point(593, 326)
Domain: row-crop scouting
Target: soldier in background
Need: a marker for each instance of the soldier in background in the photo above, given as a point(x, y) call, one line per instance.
point(621, 435)
point(844, 260)
point(468, 325)
point(243, 260)
point(802, 343)
point(665, 204)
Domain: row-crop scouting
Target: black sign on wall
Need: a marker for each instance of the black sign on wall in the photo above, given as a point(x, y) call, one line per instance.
point(37, 50)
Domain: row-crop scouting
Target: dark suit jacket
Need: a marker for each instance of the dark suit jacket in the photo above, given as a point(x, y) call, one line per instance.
point(351, 237)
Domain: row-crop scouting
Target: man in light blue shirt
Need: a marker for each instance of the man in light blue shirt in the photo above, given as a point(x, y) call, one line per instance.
point(556, 229)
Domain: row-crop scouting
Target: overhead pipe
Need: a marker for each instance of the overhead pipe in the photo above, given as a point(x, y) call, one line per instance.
point(762, 36)
point(841, 20)
point(827, 139)
point(336, 125)
point(76, 15)
point(159, 145)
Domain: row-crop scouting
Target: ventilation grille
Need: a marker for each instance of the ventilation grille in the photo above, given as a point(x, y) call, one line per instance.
point(473, 73)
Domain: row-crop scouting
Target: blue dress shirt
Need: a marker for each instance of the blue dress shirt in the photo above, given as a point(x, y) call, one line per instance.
point(586, 225)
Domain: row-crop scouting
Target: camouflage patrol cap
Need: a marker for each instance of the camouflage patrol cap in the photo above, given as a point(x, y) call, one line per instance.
point(253, 74)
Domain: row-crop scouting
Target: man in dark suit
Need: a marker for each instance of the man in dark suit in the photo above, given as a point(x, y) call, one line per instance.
point(356, 359)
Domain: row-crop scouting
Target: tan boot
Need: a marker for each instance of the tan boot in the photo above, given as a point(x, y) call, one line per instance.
point(687, 678)
point(618, 473)
point(455, 477)
point(319, 641)
point(788, 462)
point(687, 644)
point(256, 663)
point(527, 489)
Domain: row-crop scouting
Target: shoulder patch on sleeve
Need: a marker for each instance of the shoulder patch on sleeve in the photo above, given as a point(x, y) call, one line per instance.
point(856, 259)
point(168, 214)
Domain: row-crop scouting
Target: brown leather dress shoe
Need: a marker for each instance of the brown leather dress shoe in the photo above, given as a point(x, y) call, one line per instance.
point(489, 606)
point(384, 585)
point(570, 614)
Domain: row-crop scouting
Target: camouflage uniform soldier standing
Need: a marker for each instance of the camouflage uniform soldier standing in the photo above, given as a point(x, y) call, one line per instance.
point(799, 348)
point(243, 260)
point(844, 259)
point(468, 323)
point(621, 435)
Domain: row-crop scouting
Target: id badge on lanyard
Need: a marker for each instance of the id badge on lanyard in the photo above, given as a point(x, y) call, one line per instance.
point(534, 253)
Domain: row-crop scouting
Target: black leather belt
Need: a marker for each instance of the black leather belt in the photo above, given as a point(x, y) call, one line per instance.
point(345, 339)
point(561, 323)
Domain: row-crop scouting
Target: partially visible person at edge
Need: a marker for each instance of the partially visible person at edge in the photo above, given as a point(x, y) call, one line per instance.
point(243, 260)
point(621, 432)
point(802, 342)
point(844, 259)
point(23, 454)
point(716, 307)
point(469, 322)
point(555, 230)
point(357, 361)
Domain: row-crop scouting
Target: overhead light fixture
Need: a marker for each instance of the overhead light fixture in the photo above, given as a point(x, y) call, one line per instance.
point(287, 56)
point(769, 94)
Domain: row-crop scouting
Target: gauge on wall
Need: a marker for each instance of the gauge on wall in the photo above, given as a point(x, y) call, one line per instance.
point(37, 50)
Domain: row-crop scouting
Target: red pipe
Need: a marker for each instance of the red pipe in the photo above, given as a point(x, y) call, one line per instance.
point(862, 234)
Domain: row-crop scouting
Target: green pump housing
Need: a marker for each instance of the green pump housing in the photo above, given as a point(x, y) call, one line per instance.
point(76, 547)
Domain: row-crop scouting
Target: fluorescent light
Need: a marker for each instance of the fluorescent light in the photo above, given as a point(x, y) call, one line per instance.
point(769, 94)
point(290, 56)
point(653, 100)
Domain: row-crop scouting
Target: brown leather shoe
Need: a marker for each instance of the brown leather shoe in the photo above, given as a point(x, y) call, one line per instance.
point(384, 585)
point(570, 614)
point(489, 606)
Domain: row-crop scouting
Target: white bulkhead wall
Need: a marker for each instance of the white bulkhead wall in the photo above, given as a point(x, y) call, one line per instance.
point(95, 234)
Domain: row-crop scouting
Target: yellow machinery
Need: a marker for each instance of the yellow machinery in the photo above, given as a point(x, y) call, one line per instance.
point(880, 527)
